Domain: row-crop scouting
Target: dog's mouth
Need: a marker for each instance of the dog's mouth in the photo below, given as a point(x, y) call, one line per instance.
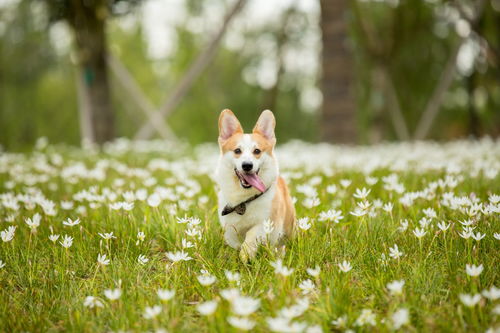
point(247, 180)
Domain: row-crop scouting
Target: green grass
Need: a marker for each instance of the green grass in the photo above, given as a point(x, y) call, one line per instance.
point(43, 285)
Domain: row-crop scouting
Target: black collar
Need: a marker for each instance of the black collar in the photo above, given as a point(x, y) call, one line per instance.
point(241, 207)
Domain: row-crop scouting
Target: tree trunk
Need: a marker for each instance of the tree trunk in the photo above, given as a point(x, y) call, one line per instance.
point(88, 20)
point(338, 119)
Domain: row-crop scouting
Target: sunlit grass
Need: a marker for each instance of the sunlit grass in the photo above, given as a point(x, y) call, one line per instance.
point(43, 285)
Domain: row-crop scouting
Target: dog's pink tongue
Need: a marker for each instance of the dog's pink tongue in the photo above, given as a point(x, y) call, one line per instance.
point(254, 180)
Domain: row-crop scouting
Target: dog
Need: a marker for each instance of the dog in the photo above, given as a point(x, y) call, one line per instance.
point(251, 194)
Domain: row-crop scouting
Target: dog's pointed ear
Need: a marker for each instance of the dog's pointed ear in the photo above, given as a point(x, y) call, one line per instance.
point(265, 125)
point(228, 125)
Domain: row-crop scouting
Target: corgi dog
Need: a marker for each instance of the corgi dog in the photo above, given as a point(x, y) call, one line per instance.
point(251, 193)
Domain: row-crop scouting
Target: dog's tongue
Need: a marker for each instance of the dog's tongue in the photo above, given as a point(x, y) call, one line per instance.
point(254, 180)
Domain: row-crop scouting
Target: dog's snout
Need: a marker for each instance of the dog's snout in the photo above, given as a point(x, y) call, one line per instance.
point(247, 166)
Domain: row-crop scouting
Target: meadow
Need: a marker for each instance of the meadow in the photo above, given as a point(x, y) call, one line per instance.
point(126, 239)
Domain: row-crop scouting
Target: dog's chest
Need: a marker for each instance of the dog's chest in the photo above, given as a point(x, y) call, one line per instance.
point(256, 212)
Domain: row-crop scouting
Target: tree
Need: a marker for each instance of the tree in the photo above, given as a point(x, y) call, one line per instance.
point(338, 118)
point(87, 19)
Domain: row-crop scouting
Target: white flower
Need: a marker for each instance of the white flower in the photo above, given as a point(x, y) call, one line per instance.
point(371, 180)
point(8, 234)
point(467, 223)
point(178, 256)
point(473, 270)
point(54, 238)
point(311, 202)
point(154, 200)
point(361, 194)
point(140, 237)
point(496, 235)
point(424, 222)
point(295, 310)
point(151, 312)
point(388, 207)
point(314, 272)
point(394, 252)
point(400, 318)
point(396, 287)
point(127, 206)
point(331, 215)
point(403, 225)
point(67, 241)
point(187, 244)
point(206, 280)
point(303, 223)
point(340, 322)
point(113, 294)
point(345, 183)
point(430, 213)
point(465, 234)
point(67, 205)
point(314, 329)
point(492, 294)
point(268, 226)
point(2, 264)
point(107, 236)
point(443, 226)
point(331, 189)
point(358, 212)
point(243, 324)
point(470, 300)
point(494, 198)
point(207, 308)
point(34, 222)
point(307, 287)
point(367, 317)
point(142, 259)
point(165, 294)
point(478, 236)
point(280, 324)
point(92, 302)
point(364, 205)
point(279, 268)
point(244, 305)
point(116, 205)
point(419, 233)
point(230, 294)
point(102, 260)
point(345, 266)
point(71, 223)
point(232, 277)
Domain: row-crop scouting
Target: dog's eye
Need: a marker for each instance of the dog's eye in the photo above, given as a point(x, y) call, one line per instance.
point(256, 151)
point(237, 151)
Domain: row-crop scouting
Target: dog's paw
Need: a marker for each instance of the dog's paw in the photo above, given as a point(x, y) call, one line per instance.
point(247, 253)
point(244, 257)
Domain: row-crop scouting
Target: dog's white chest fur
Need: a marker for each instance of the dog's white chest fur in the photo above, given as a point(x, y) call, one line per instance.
point(236, 226)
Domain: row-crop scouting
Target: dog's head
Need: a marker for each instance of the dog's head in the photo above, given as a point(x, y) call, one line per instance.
point(250, 156)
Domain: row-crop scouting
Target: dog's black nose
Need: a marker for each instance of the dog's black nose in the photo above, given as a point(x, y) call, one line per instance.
point(247, 166)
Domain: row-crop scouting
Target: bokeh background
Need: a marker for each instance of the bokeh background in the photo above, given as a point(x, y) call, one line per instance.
point(357, 72)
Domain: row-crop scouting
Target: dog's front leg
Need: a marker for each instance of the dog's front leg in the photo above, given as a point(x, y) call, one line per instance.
point(253, 239)
point(232, 237)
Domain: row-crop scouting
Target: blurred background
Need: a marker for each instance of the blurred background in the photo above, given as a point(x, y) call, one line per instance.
point(356, 72)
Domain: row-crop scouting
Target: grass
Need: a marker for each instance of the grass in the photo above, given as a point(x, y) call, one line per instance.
point(43, 285)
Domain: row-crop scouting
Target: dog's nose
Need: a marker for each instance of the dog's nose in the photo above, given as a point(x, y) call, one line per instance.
point(247, 166)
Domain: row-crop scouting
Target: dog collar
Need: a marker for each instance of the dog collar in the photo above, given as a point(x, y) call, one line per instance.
point(241, 207)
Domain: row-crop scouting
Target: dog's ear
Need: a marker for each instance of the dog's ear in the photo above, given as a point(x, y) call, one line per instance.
point(228, 125)
point(265, 125)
